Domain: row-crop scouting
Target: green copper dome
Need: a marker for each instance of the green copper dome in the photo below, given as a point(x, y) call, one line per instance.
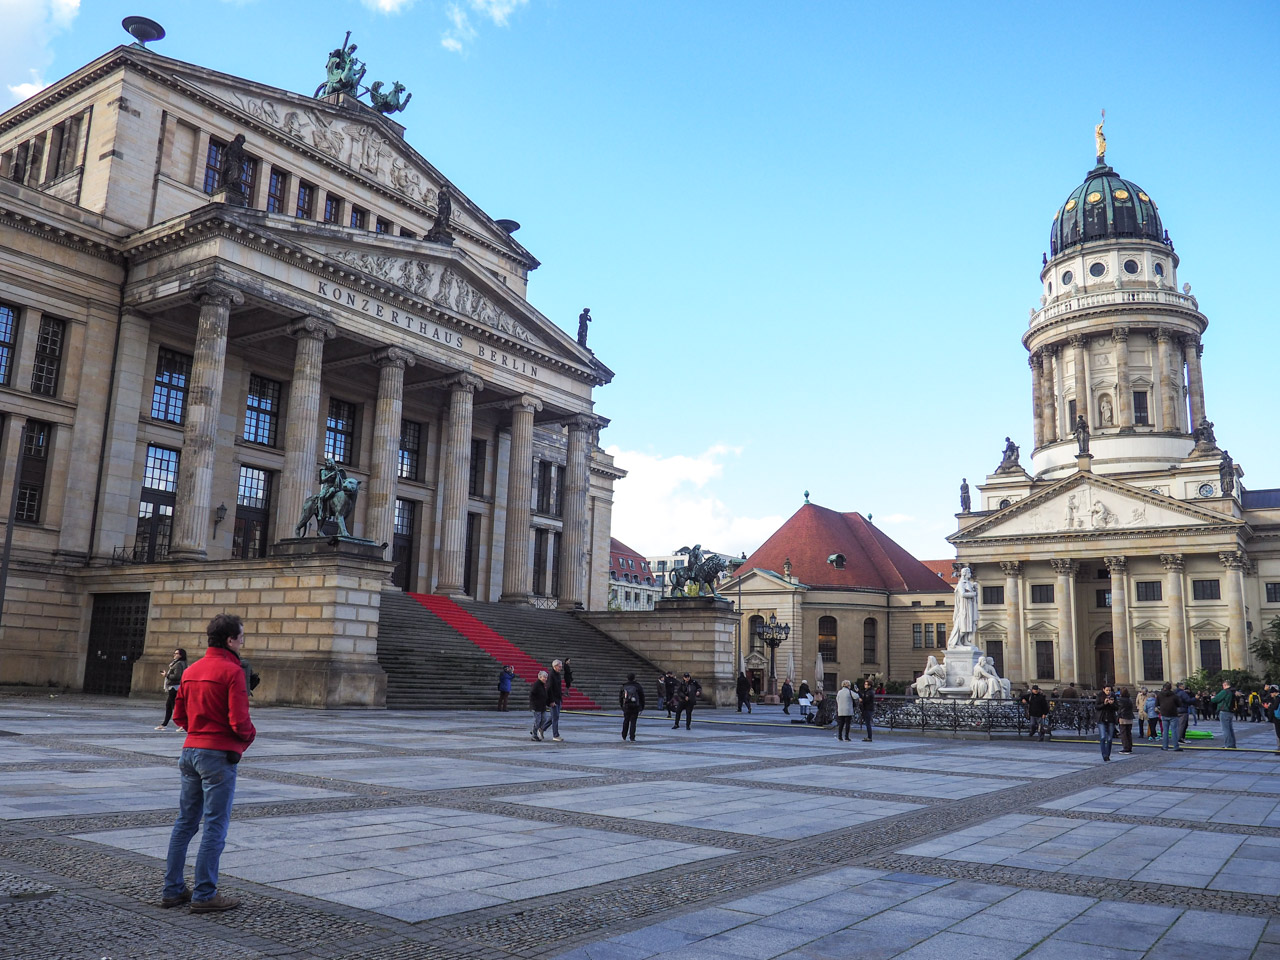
point(1105, 207)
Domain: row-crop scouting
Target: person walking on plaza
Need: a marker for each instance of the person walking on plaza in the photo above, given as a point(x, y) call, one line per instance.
point(669, 692)
point(845, 700)
point(555, 699)
point(1271, 709)
point(1038, 711)
point(213, 707)
point(172, 680)
point(1167, 705)
point(867, 702)
point(538, 704)
point(631, 699)
point(744, 692)
point(787, 696)
point(1124, 719)
point(1185, 702)
point(1152, 714)
point(686, 696)
point(1107, 709)
point(504, 686)
point(1222, 699)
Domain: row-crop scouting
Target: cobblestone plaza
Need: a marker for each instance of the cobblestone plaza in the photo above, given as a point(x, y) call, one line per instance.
point(396, 836)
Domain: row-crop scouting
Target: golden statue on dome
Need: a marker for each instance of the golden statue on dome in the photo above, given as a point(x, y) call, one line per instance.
point(1100, 138)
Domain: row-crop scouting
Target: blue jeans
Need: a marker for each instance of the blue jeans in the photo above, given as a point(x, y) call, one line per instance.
point(538, 717)
point(1106, 733)
point(208, 787)
point(1170, 725)
point(1228, 730)
point(554, 721)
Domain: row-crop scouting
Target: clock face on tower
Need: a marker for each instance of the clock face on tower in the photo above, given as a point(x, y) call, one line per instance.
point(1206, 490)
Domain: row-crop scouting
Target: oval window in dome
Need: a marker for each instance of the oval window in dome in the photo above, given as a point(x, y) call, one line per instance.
point(1122, 194)
point(1094, 197)
point(1067, 278)
point(1143, 197)
point(1131, 266)
point(1071, 205)
point(1097, 269)
point(1159, 268)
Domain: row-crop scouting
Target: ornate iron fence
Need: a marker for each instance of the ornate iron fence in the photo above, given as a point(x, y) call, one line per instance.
point(980, 716)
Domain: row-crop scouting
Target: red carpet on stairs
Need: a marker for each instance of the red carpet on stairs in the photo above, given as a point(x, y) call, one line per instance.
point(497, 646)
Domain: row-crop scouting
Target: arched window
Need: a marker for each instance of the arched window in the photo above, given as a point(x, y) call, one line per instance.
point(755, 644)
point(869, 640)
point(827, 639)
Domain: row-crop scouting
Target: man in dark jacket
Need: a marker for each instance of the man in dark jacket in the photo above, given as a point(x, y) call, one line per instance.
point(868, 706)
point(787, 696)
point(538, 704)
point(1107, 713)
point(687, 692)
point(744, 692)
point(631, 699)
point(555, 698)
point(1167, 704)
point(669, 695)
point(568, 673)
point(213, 707)
point(1038, 711)
point(1185, 701)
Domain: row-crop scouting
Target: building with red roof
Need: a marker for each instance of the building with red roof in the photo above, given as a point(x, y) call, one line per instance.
point(632, 584)
point(849, 592)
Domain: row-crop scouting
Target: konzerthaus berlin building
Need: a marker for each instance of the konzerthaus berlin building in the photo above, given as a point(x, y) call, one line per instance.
point(1130, 551)
point(174, 368)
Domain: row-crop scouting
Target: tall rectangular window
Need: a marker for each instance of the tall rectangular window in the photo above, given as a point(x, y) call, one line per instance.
point(340, 431)
point(253, 504)
point(382, 226)
point(1148, 590)
point(1042, 593)
point(917, 636)
point(993, 595)
point(262, 411)
point(1071, 413)
point(544, 487)
point(306, 201)
point(827, 639)
point(359, 219)
point(928, 635)
point(1273, 590)
point(35, 464)
point(1103, 598)
point(1140, 415)
point(1044, 660)
point(479, 453)
point(155, 507)
point(1211, 656)
point(941, 630)
point(169, 394)
point(8, 337)
point(332, 209)
point(869, 646)
point(1206, 590)
point(540, 540)
point(213, 166)
point(995, 650)
point(277, 190)
point(48, 365)
point(1152, 660)
point(402, 544)
point(409, 465)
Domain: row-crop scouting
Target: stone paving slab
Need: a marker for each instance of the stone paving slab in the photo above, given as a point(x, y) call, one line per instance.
point(632, 757)
point(1016, 764)
point(422, 773)
point(847, 776)
point(1205, 780)
point(169, 744)
point(1174, 805)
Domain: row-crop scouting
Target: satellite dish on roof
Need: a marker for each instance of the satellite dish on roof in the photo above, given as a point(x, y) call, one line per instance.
point(143, 29)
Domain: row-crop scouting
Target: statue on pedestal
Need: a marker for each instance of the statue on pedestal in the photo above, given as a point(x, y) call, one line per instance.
point(1227, 474)
point(965, 619)
point(343, 72)
point(439, 232)
point(583, 319)
point(335, 502)
point(932, 680)
point(965, 502)
point(232, 172)
point(1082, 434)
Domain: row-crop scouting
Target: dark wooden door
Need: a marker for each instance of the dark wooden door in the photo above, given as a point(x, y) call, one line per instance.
point(117, 634)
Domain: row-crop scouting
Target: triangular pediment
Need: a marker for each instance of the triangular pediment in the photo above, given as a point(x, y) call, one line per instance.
point(1088, 505)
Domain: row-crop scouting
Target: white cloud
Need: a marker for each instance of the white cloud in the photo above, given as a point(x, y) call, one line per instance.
point(460, 32)
point(497, 10)
point(388, 6)
point(25, 44)
point(662, 504)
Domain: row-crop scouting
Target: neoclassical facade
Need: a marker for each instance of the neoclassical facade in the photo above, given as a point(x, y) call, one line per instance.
point(175, 367)
point(1129, 551)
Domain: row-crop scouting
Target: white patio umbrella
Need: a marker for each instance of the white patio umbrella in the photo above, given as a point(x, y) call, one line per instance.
point(791, 664)
point(742, 663)
point(817, 674)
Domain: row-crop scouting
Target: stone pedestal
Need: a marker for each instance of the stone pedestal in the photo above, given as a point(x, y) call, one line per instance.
point(352, 548)
point(959, 663)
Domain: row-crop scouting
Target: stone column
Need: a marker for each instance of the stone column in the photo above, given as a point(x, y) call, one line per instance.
point(1168, 408)
point(1124, 394)
point(1050, 392)
point(1037, 407)
point(1120, 619)
point(1066, 619)
point(517, 572)
point(456, 458)
point(1192, 348)
point(191, 518)
point(1233, 563)
point(1173, 566)
point(302, 423)
point(380, 519)
point(1016, 655)
point(1081, 382)
point(573, 590)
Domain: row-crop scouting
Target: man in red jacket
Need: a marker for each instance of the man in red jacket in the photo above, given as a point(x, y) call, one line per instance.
point(213, 707)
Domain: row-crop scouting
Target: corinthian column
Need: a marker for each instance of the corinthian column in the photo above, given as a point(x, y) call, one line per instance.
point(1191, 347)
point(1234, 563)
point(1081, 383)
point(516, 571)
point(1037, 407)
point(457, 473)
point(1173, 566)
point(573, 585)
point(1050, 394)
point(302, 420)
point(1066, 619)
point(1124, 395)
point(200, 431)
point(381, 517)
point(1015, 655)
point(1168, 409)
point(1119, 620)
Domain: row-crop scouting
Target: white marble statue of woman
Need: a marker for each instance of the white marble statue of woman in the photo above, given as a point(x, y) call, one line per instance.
point(965, 621)
point(931, 681)
point(986, 683)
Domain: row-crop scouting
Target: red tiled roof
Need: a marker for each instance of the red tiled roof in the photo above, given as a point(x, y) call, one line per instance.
point(871, 559)
point(942, 568)
point(619, 553)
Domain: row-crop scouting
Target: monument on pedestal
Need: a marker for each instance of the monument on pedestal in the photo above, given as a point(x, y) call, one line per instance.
point(965, 672)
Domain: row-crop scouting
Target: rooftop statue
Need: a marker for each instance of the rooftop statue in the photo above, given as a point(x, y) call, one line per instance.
point(1082, 434)
point(232, 172)
point(386, 103)
point(343, 72)
point(439, 232)
point(1100, 138)
point(965, 501)
point(583, 319)
point(1227, 474)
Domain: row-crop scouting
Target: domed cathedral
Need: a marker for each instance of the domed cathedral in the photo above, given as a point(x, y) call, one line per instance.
point(1128, 551)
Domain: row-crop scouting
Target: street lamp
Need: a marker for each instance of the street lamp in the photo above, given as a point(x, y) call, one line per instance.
point(773, 634)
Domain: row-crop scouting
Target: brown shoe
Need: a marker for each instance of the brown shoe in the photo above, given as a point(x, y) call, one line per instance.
point(179, 900)
point(215, 904)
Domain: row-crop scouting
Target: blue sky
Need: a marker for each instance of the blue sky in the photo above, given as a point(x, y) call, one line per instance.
point(809, 232)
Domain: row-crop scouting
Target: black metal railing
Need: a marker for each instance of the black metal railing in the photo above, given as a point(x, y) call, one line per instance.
point(1074, 717)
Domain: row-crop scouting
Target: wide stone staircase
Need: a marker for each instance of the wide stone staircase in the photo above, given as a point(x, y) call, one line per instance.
point(442, 655)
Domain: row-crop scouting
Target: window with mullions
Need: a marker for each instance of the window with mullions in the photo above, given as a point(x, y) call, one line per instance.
point(382, 226)
point(155, 507)
point(48, 364)
point(1044, 660)
point(1206, 590)
point(8, 335)
point(1141, 417)
point(869, 640)
point(410, 463)
point(332, 209)
point(479, 454)
point(306, 201)
point(1273, 589)
point(277, 187)
point(340, 431)
point(402, 544)
point(35, 463)
point(1152, 660)
point(917, 636)
point(1042, 593)
point(1148, 590)
point(213, 166)
point(262, 411)
point(169, 395)
point(253, 503)
point(827, 639)
point(928, 635)
point(993, 595)
point(359, 219)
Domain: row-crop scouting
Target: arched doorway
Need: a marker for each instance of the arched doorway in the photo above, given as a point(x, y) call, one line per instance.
point(1104, 659)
